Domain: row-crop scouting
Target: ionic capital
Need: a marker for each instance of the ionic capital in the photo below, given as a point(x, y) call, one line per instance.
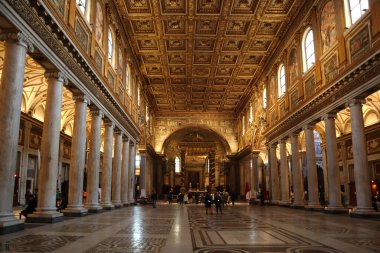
point(273, 145)
point(117, 131)
point(329, 116)
point(19, 38)
point(308, 127)
point(96, 113)
point(125, 138)
point(81, 98)
point(355, 101)
point(59, 76)
point(108, 123)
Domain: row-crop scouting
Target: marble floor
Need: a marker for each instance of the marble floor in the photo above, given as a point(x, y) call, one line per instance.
point(172, 228)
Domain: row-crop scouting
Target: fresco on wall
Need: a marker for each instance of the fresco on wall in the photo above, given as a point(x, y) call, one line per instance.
point(293, 66)
point(310, 86)
point(282, 110)
point(120, 62)
point(294, 99)
point(330, 69)
point(81, 34)
point(59, 6)
point(98, 60)
point(99, 24)
point(111, 79)
point(359, 43)
point(272, 90)
point(328, 30)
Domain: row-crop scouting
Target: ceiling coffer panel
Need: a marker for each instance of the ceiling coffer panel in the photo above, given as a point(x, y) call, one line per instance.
point(204, 55)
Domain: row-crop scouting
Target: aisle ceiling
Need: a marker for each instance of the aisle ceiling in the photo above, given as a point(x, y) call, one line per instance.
point(203, 55)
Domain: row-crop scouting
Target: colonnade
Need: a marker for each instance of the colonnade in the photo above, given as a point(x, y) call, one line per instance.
point(361, 173)
point(119, 177)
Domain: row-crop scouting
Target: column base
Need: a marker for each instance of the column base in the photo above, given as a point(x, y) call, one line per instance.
point(75, 212)
point(107, 206)
point(274, 202)
point(335, 209)
point(126, 204)
point(284, 203)
point(94, 208)
point(314, 207)
point(297, 206)
point(117, 204)
point(10, 225)
point(365, 213)
point(44, 217)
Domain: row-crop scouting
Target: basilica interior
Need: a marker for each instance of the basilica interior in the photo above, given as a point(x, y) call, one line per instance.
point(107, 103)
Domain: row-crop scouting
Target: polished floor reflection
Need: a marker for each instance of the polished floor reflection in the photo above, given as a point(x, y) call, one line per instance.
point(172, 228)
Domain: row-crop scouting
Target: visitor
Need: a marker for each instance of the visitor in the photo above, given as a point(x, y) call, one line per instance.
point(218, 203)
point(170, 196)
point(154, 198)
point(233, 198)
point(208, 202)
point(28, 196)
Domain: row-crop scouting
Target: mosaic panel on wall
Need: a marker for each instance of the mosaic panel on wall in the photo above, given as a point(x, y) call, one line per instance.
point(328, 30)
point(99, 23)
point(272, 90)
point(294, 99)
point(111, 79)
point(310, 86)
point(98, 60)
point(293, 66)
point(359, 43)
point(59, 6)
point(282, 109)
point(330, 69)
point(81, 34)
point(120, 62)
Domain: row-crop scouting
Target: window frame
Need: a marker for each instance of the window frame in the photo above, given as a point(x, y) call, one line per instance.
point(305, 56)
point(348, 11)
point(177, 164)
point(265, 98)
point(281, 80)
point(111, 53)
point(84, 7)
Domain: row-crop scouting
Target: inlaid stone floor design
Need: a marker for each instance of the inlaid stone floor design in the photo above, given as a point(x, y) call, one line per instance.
point(187, 229)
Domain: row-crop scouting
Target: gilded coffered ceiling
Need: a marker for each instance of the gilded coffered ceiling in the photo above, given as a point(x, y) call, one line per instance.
point(203, 55)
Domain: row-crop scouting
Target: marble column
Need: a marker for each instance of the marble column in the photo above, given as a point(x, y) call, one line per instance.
point(107, 166)
point(116, 170)
point(46, 210)
point(25, 159)
point(275, 184)
point(333, 173)
point(361, 171)
point(125, 172)
point(255, 168)
point(77, 159)
point(132, 160)
point(143, 174)
point(312, 177)
point(12, 78)
point(284, 169)
point(93, 163)
point(297, 173)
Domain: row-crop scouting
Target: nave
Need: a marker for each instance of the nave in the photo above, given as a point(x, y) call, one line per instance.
point(173, 228)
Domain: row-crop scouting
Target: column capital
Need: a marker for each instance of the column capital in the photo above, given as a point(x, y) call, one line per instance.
point(18, 37)
point(56, 75)
point(308, 127)
point(96, 112)
point(329, 116)
point(355, 101)
point(108, 123)
point(273, 145)
point(284, 140)
point(295, 134)
point(132, 143)
point(79, 97)
point(117, 131)
point(125, 138)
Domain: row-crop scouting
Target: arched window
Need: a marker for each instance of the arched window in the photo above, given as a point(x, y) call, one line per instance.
point(127, 76)
point(111, 49)
point(308, 49)
point(84, 7)
point(265, 98)
point(250, 113)
point(177, 165)
point(281, 80)
point(354, 9)
point(208, 165)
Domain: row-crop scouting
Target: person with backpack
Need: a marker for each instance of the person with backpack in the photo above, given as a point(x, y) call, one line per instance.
point(218, 203)
point(208, 202)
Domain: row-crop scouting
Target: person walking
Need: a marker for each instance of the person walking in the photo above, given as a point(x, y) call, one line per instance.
point(154, 198)
point(170, 196)
point(218, 203)
point(208, 202)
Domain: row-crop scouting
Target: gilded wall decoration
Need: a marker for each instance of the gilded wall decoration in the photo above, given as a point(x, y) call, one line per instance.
point(98, 60)
point(293, 66)
point(35, 140)
point(99, 24)
point(81, 34)
point(310, 86)
point(328, 30)
point(59, 6)
point(294, 99)
point(111, 79)
point(330, 69)
point(359, 43)
point(272, 90)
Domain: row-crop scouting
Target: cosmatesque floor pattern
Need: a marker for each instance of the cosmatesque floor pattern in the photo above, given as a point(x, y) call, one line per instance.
point(172, 228)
